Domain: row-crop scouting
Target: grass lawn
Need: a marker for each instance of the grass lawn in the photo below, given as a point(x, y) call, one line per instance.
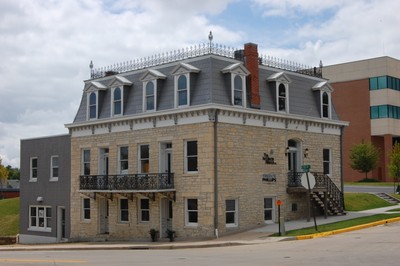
point(9, 217)
point(373, 184)
point(341, 225)
point(363, 201)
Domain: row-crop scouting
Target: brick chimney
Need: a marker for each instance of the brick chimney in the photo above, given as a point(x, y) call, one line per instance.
point(251, 63)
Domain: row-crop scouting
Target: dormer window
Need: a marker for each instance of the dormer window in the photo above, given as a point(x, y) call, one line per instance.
point(182, 83)
point(93, 105)
point(93, 99)
point(118, 87)
point(238, 83)
point(282, 100)
point(325, 102)
point(117, 101)
point(238, 92)
point(281, 88)
point(150, 84)
point(149, 98)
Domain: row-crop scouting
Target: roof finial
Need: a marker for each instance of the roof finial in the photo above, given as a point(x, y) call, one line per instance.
point(210, 38)
point(91, 68)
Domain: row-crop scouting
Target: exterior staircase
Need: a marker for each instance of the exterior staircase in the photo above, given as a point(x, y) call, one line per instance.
point(388, 198)
point(326, 196)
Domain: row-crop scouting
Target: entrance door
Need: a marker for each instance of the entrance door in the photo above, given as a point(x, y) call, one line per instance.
point(166, 157)
point(103, 216)
point(166, 216)
point(61, 223)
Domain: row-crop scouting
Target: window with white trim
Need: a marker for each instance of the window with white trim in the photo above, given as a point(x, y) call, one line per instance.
point(282, 98)
point(54, 165)
point(123, 164)
point(123, 210)
point(182, 90)
point(144, 210)
point(144, 158)
point(150, 96)
point(33, 169)
point(85, 209)
point(268, 209)
point(117, 101)
point(231, 213)
point(85, 162)
point(238, 90)
point(92, 103)
point(40, 218)
point(326, 104)
point(191, 212)
point(191, 154)
point(326, 157)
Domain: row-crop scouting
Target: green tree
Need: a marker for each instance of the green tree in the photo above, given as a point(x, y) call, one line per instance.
point(13, 173)
point(394, 164)
point(364, 157)
point(3, 176)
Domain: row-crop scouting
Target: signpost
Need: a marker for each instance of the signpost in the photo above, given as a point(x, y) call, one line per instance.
point(279, 203)
point(308, 181)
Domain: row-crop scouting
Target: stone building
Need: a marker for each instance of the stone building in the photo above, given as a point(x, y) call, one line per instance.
point(203, 142)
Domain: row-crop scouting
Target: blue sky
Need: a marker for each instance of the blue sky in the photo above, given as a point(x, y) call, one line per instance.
point(46, 45)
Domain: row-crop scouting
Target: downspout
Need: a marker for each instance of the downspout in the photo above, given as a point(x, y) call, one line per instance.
point(216, 172)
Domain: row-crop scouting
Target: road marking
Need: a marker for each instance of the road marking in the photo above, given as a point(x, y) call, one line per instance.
point(35, 260)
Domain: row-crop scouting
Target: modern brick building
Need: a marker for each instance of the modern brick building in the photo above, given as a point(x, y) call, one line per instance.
point(366, 93)
point(201, 141)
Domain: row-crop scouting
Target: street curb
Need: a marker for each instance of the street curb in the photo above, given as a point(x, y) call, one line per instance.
point(348, 229)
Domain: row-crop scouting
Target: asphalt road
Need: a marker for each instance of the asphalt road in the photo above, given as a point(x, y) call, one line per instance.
point(368, 189)
point(373, 246)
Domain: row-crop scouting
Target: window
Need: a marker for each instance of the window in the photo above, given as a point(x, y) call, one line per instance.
point(86, 162)
point(325, 105)
point(93, 105)
point(117, 101)
point(150, 96)
point(183, 91)
point(238, 92)
point(191, 212)
point(144, 162)
point(34, 169)
point(327, 161)
point(282, 98)
point(40, 218)
point(123, 160)
point(123, 210)
point(268, 209)
point(191, 156)
point(86, 209)
point(384, 111)
point(144, 212)
point(54, 168)
point(231, 216)
point(384, 82)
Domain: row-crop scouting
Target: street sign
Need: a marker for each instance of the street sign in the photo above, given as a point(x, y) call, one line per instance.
point(279, 202)
point(306, 168)
point(305, 182)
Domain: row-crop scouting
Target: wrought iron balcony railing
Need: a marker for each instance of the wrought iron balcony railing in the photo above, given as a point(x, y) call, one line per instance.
point(139, 182)
point(294, 179)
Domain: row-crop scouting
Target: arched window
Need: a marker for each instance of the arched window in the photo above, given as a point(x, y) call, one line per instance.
point(238, 90)
point(325, 105)
point(93, 105)
point(282, 98)
point(150, 96)
point(182, 91)
point(117, 101)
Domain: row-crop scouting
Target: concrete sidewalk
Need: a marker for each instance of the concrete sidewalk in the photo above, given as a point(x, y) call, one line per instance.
point(260, 235)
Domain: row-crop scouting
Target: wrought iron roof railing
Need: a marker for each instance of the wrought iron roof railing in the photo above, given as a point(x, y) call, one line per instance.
point(199, 50)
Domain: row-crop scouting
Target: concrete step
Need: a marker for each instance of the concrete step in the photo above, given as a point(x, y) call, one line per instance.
point(388, 198)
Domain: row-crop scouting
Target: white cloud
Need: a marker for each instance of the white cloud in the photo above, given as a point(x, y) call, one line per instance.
point(46, 46)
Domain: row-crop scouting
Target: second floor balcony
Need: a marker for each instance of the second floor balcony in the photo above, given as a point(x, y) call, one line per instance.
point(150, 182)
